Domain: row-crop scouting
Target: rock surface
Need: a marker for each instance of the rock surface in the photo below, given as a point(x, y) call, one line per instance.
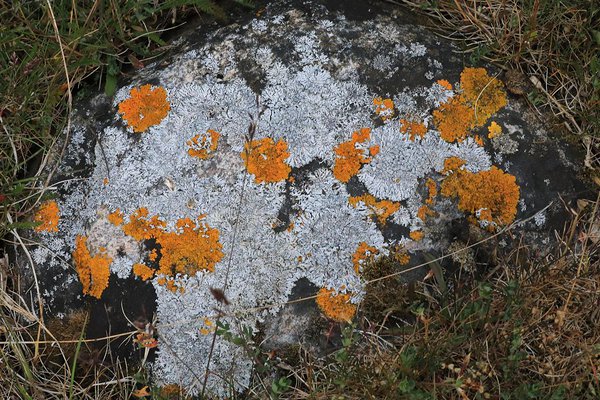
point(299, 144)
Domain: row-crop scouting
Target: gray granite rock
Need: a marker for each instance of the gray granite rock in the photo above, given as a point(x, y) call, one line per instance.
point(305, 74)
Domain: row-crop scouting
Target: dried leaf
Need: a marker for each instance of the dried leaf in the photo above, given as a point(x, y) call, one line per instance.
point(219, 295)
point(143, 392)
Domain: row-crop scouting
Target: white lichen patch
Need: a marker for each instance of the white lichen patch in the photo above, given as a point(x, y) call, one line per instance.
point(395, 172)
point(328, 230)
point(311, 99)
point(300, 104)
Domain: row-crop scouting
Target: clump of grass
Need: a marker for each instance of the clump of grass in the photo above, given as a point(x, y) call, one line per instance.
point(54, 361)
point(518, 333)
point(553, 43)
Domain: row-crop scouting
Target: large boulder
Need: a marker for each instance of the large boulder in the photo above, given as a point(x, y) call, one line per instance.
point(295, 146)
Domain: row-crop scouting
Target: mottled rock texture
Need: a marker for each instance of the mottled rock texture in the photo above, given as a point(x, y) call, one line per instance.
point(299, 144)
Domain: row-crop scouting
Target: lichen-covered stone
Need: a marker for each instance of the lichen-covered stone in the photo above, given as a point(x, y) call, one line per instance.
point(297, 145)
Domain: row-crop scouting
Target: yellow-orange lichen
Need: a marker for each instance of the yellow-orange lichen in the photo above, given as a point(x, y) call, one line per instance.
point(424, 212)
point(481, 96)
point(115, 217)
point(193, 246)
point(454, 120)
point(381, 209)
point(93, 271)
point(336, 306)
point(363, 254)
point(453, 164)
point(265, 159)
point(47, 216)
point(145, 107)
point(208, 327)
point(445, 84)
point(384, 108)
point(349, 157)
point(170, 283)
point(490, 195)
point(416, 235)
point(143, 271)
point(153, 255)
point(413, 129)
point(432, 191)
point(374, 150)
point(400, 255)
point(479, 140)
point(203, 145)
point(494, 130)
point(483, 93)
point(403, 258)
point(140, 227)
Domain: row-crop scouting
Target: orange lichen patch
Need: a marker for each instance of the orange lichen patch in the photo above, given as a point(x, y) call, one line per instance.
point(400, 255)
point(208, 327)
point(425, 212)
point(140, 227)
point(374, 150)
point(363, 254)
point(145, 107)
point(203, 145)
point(336, 305)
point(485, 94)
point(491, 195)
point(494, 130)
point(478, 140)
point(105, 181)
point(143, 271)
point(170, 284)
point(153, 255)
point(265, 159)
point(432, 191)
point(193, 246)
point(403, 258)
point(453, 164)
point(481, 97)
point(417, 235)
point(115, 217)
point(445, 84)
point(454, 119)
point(47, 216)
point(413, 129)
point(381, 209)
point(349, 157)
point(384, 108)
point(93, 271)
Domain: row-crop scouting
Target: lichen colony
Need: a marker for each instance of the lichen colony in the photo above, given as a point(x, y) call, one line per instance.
point(184, 153)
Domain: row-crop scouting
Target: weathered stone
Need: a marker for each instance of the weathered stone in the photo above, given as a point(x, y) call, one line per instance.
point(246, 157)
